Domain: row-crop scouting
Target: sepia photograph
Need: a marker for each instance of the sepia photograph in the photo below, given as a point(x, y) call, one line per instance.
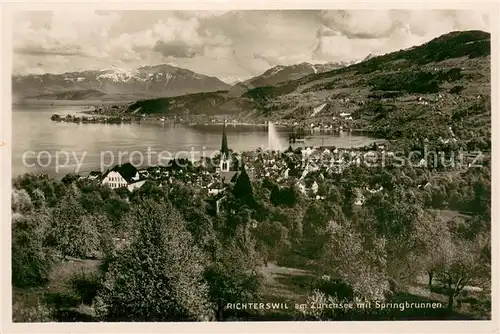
point(284, 165)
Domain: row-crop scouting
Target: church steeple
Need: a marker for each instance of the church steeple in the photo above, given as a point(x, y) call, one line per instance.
point(224, 150)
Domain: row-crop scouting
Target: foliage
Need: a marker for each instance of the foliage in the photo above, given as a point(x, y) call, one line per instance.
point(434, 240)
point(52, 190)
point(86, 285)
point(468, 263)
point(75, 233)
point(70, 178)
point(315, 231)
point(456, 89)
point(232, 275)
point(193, 209)
point(197, 103)
point(414, 81)
point(21, 201)
point(243, 189)
point(160, 105)
point(32, 313)
point(159, 276)
point(31, 258)
point(357, 261)
point(272, 239)
point(284, 196)
point(261, 94)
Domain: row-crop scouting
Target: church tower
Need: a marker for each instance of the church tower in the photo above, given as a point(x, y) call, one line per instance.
point(224, 151)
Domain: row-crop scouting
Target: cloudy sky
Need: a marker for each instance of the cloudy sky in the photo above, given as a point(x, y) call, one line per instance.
point(230, 45)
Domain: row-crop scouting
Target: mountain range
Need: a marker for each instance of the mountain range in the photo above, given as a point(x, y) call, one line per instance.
point(148, 81)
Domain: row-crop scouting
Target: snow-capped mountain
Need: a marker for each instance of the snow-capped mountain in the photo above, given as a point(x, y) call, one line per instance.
point(147, 81)
point(280, 73)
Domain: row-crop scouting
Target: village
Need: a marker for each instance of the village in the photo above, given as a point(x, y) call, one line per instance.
point(303, 167)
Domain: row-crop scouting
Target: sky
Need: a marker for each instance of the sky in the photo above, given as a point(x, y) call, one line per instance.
point(230, 45)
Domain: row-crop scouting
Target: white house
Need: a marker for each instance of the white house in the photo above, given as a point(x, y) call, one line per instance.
point(121, 176)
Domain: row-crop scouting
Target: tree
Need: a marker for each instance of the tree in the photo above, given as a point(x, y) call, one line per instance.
point(395, 216)
point(433, 239)
point(31, 258)
point(272, 240)
point(53, 190)
point(224, 148)
point(468, 264)
point(70, 178)
point(194, 210)
point(243, 190)
point(357, 261)
point(38, 199)
point(21, 201)
point(315, 229)
point(159, 275)
point(115, 210)
point(150, 190)
point(75, 232)
point(232, 275)
point(284, 196)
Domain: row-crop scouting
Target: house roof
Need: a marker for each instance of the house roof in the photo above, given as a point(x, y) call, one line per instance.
point(228, 176)
point(127, 171)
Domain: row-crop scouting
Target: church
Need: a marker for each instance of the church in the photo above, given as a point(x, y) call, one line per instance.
point(230, 167)
point(229, 172)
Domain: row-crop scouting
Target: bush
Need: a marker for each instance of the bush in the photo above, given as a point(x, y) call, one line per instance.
point(86, 286)
point(37, 313)
point(284, 196)
point(456, 89)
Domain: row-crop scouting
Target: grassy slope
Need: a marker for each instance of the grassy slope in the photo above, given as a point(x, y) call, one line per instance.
point(58, 297)
point(193, 104)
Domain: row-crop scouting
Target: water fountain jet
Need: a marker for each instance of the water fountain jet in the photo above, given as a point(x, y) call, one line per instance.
point(274, 143)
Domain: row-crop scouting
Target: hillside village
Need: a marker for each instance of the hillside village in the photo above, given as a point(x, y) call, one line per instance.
point(302, 167)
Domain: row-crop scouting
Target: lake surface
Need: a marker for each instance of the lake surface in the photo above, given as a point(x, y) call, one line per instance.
point(43, 146)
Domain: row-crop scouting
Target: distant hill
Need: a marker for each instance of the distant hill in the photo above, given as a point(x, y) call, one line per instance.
point(84, 94)
point(146, 81)
point(279, 74)
point(209, 103)
point(420, 91)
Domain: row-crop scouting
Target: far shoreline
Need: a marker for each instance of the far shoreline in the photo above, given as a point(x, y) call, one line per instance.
point(43, 102)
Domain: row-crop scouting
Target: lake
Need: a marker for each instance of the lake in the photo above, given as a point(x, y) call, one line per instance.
point(43, 146)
